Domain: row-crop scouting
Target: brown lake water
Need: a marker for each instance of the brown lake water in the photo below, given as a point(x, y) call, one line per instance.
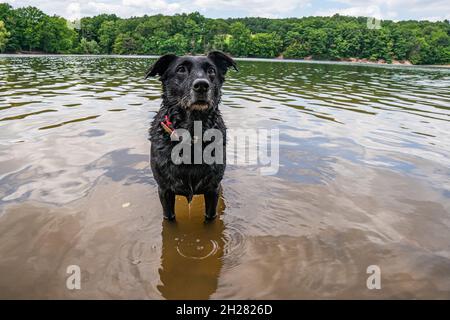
point(363, 180)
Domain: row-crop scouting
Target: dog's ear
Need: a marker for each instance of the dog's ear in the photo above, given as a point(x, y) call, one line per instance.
point(222, 61)
point(160, 66)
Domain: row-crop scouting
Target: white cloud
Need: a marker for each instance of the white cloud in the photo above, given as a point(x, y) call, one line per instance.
point(124, 8)
point(154, 5)
point(261, 8)
point(391, 9)
point(370, 11)
point(387, 9)
point(127, 8)
point(73, 11)
point(366, 11)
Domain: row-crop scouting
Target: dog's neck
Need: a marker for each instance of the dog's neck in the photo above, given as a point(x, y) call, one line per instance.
point(181, 117)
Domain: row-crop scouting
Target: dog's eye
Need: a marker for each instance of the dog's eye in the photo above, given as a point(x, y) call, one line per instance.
point(181, 69)
point(211, 71)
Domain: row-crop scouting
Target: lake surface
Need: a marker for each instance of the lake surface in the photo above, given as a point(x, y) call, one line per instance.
point(363, 180)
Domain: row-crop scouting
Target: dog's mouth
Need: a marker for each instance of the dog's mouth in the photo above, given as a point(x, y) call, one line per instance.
point(199, 105)
point(198, 101)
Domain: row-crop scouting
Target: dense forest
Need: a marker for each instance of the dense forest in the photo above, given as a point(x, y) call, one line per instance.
point(332, 38)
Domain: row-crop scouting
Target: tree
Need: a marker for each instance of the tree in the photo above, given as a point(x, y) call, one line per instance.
point(194, 34)
point(125, 44)
point(266, 45)
point(87, 47)
point(29, 22)
point(178, 44)
point(56, 36)
point(337, 37)
point(4, 34)
point(107, 35)
point(221, 42)
point(5, 11)
point(296, 50)
point(240, 42)
point(90, 26)
point(216, 34)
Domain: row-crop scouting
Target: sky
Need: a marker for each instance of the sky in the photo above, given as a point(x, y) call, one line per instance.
point(432, 10)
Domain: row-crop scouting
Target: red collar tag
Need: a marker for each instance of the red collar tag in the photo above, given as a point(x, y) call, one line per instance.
point(166, 124)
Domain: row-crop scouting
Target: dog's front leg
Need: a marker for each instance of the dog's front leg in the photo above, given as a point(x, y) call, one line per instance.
point(211, 199)
point(167, 198)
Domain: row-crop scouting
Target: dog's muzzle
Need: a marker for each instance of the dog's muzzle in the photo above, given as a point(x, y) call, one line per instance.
point(200, 93)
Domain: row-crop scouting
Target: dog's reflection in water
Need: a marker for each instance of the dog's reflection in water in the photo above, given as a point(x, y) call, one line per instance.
point(192, 251)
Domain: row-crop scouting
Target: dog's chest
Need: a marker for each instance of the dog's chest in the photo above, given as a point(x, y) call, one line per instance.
point(194, 175)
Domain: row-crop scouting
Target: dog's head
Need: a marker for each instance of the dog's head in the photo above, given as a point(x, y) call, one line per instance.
point(192, 82)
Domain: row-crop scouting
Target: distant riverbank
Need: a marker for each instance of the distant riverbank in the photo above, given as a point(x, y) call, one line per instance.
point(364, 60)
point(335, 38)
point(280, 59)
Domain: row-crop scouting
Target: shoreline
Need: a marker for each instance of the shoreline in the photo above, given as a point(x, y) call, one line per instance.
point(356, 61)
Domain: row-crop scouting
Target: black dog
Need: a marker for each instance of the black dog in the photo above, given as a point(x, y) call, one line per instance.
point(191, 92)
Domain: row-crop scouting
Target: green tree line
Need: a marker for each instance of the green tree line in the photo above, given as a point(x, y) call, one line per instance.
point(331, 38)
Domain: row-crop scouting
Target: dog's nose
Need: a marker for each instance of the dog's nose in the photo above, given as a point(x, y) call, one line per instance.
point(201, 85)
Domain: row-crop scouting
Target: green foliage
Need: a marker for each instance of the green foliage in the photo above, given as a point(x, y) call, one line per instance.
point(56, 37)
point(332, 38)
point(221, 42)
point(5, 11)
point(87, 47)
point(241, 40)
point(107, 35)
point(4, 34)
point(90, 26)
point(178, 44)
point(28, 28)
point(32, 30)
point(265, 45)
point(125, 44)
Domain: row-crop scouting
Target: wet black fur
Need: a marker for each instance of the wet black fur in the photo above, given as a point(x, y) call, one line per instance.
point(178, 99)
